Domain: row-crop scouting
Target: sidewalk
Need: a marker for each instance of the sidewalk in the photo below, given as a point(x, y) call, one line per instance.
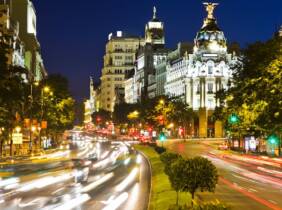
point(25, 158)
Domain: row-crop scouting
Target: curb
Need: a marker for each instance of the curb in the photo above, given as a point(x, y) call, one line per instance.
point(150, 192)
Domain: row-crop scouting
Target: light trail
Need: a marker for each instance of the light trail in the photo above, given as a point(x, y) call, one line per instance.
point(97, 183)
point(117, 202)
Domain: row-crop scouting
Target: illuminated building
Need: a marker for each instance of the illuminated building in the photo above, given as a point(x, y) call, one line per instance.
point(23, 12)
point(198, 76)
point(9, 34)
point(148, 57)
point(90, 104)
point(118, 61)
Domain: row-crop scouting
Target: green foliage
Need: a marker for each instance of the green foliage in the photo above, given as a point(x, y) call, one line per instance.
point(256, 96)
point(101, 117)
point(55, 106)
point(122, 110)
point(197, 173)
point(168, 158)
point(206, 206)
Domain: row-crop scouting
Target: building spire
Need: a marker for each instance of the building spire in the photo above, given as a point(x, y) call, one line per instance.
point(154, 12)
point(210, 9)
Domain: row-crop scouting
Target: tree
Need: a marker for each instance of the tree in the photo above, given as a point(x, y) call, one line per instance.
point(169, 158)
point(197, 173)
point(181, 114)
point(12, 86)
point(256, 94)
point(174, 169)
point(59, 107)
point(101, 117)
point(121, 111)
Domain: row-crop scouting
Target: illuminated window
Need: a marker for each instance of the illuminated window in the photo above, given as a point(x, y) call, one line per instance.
point(210, 87)
point(210, 69)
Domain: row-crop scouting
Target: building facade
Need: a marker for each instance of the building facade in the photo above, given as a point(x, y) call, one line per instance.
point(23, 13)
point(90, 104)
point(148, 57)
point(9, 35)
point(118, 61)
point(198, 76)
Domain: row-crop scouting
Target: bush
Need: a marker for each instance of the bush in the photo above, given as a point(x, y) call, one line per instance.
point(206, 206)
point(160, 150)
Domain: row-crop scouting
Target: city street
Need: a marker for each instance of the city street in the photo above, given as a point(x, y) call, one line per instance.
point(245, 182)
point(118, 179)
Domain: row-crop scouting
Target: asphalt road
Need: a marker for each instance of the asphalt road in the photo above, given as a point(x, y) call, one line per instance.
point(119, 179)
point(244, 183)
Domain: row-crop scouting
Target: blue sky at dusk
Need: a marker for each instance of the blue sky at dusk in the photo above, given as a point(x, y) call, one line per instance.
point(73, 33)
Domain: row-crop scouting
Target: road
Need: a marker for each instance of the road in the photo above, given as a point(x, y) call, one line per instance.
point(245, 182)
point(74, 179)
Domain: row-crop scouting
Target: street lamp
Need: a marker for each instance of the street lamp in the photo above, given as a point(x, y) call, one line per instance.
point(233, 119)
point(18, 129)
point(274, 140)
point(36, 84)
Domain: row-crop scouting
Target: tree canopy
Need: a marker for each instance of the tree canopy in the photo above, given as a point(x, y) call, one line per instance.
point(256, 93)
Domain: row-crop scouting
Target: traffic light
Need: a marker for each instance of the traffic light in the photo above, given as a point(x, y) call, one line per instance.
point(273, 139)
point(233, 119)
point(162, 136)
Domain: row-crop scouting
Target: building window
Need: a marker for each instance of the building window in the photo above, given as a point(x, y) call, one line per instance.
point(198, 89)
point(210, 87)
point(210, 103)
point(109, 79)
point(210, 69)
point(118, 57)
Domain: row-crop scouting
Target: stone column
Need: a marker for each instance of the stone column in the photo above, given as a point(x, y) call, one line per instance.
point(203, 122)
point(218, 131)
point(217, 88)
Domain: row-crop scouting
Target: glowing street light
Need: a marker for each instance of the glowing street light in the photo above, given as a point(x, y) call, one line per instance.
point(161, 101)
point(233, 119)
point(46, 89)
point(33, 128)
point(18, 129)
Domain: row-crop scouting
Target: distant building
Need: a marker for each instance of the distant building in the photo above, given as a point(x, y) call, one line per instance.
point(129, 88)
point(148, 56)
point(118, 61)
point(90, 104)
point(198, 76)
point(280, 31)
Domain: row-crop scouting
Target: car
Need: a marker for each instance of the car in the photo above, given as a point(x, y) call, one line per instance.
point(223, 147)
point(81, 170)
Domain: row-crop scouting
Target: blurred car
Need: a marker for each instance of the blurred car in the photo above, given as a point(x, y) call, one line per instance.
point(81, 170)
point(92, 157)
point(223, 147)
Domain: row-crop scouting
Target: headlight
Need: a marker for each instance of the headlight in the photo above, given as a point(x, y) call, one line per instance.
point(139, 159)
point(78, 173)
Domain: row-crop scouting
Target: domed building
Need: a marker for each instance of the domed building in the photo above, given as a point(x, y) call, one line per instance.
point(198, 76)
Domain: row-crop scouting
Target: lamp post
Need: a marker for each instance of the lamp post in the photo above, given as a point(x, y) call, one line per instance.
point(36, 83)
point(45, 89)
point(233, 119)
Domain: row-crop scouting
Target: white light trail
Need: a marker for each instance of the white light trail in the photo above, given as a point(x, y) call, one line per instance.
point(116, 203)
point(74, 202)
point(129, 179)
point(97, 183)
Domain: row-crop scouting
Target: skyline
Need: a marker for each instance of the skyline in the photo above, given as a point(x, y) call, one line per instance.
point(84, 38)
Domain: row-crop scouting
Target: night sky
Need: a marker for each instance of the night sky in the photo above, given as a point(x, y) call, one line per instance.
point(73, 33)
